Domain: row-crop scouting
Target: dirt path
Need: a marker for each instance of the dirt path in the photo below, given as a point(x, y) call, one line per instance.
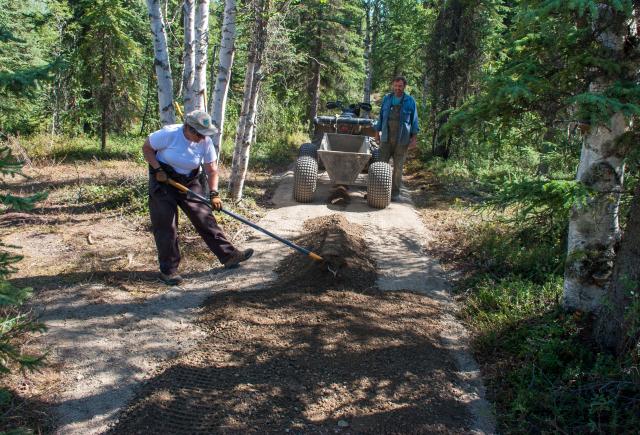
point(108, 345)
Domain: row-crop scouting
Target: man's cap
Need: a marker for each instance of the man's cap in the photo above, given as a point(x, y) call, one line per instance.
point(201, 121)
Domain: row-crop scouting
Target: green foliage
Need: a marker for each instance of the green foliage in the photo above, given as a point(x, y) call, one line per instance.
point(497, 305)
point(401, 28)
point(455, 54)
point(543, 371)
point(129, 196)
point(13, 323)
point(61, 148)
point(538, 201)
point(106, 64)
point(548, 58)
point(27, 61)
point(531, 252)
point(598, 108)
point(550, 377)
point(328, 33)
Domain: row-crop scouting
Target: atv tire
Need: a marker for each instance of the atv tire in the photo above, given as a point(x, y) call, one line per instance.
point(379, 185)
point(305, 178)
point(308, 149)
point(375, 155)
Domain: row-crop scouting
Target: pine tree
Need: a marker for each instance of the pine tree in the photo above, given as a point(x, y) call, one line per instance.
point(27, 61)
point(454, 59)
point(13, 322)
point(327, 34)
point(107, 63)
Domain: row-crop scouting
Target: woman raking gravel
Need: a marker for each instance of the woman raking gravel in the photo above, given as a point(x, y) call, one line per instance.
point(177, 151)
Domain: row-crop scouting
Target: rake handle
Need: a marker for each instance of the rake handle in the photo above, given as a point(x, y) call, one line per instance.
point(245, 221)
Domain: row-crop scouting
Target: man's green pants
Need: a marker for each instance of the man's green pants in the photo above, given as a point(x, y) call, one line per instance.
point(399, 154)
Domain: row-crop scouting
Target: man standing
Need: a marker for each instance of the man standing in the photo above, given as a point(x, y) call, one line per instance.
point(397, 130)
point(176, 152)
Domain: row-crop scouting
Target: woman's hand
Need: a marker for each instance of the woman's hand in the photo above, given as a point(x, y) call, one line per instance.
point(216, 202)
point(161, 176)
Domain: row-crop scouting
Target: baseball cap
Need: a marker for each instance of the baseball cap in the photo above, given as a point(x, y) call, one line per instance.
point(201, 121)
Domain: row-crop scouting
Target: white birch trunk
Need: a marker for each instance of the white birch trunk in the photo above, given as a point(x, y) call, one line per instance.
point(189, 56)
point(241, 148)
point(249, 103)
point(368, 69)
point(227, 54)
point(161, 62)
point(593, 227)
point(252, 125)
point(202, 45)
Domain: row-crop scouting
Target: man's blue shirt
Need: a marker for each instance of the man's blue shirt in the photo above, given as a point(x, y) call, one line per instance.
point(408, 117)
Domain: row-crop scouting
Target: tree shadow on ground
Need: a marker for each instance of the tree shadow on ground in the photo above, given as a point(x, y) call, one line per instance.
point(49, 283)
point(304, 360)
point(92, 154)
point(23, 414)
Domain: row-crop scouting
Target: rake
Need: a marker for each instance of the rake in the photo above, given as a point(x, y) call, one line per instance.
point(201, 199)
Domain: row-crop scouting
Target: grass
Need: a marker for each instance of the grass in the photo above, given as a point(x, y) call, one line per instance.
point(269, 155)
point(128, 196)
point(543, 370)
point(59, 149)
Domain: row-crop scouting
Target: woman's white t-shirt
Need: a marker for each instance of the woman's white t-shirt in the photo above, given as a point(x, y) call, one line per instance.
point(174, 149)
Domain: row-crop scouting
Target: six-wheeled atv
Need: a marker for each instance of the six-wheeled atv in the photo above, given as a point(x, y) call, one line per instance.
point(344, 145)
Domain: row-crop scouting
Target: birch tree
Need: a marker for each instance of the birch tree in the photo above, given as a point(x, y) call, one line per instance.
point(161, 62)
point(593, 227)
point(618, 324)
point(188, 73)
point(201, 46)
point(368, 67)
point(315, 67)
point(227, 54)
point(246, 122)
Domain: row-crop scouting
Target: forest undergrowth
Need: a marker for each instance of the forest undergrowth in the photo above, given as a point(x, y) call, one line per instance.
point(502, 233)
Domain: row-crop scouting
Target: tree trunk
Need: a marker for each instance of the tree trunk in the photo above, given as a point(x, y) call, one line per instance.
point(618, 323)
point(161, 62)
point(314, 91)
point(368, 68)
point(227, 53)
point(103, 129)
point(202, 46)
point(146, 104)
point(315, 68)
point(249, 103)
point(424, 97)
point(593, 227)
point(212, 73)
point(188, 72)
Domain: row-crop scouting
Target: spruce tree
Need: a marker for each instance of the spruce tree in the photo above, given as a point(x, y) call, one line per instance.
point(107, 64)
point(13, 322)
point(27, 60)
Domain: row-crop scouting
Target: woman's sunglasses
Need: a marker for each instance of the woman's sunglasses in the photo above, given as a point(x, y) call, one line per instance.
point(195, 132)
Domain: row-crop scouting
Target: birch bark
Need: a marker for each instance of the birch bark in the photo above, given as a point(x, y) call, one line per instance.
point(368, 69)
point(249, 103)
point(227, 54)
point(315, 68)
point(202, 45)
point(161, 62)
point(593, 227)
point(618, 326)
point(188, 72)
